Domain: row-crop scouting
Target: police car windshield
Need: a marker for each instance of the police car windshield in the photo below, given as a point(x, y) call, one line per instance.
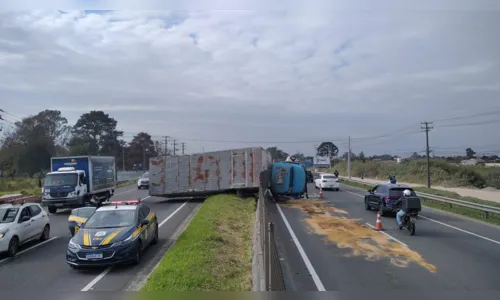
point(111, 219)
point(8, 215)
point(83, 212)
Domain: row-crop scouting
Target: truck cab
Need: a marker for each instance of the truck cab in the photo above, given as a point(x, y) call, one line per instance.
point(64, 188)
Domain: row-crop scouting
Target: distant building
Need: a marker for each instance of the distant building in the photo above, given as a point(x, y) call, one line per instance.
point(473, 162)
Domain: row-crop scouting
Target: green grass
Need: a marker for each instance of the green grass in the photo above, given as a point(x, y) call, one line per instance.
point(127, 183)
point(214, 253)
point(460, 210)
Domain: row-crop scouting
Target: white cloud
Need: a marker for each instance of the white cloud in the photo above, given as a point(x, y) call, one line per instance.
point(301, 75)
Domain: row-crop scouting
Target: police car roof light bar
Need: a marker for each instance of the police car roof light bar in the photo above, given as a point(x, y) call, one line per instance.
point(126, 202)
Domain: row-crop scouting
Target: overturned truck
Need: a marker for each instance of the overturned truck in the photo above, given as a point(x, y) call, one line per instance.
point(208, 173)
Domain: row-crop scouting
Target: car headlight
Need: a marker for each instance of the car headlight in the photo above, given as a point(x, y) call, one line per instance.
point(3, 233)
point(73, 245)
point(125, 242)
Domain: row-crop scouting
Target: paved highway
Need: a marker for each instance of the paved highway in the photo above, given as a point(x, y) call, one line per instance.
point(42, 267)
point(338, 251)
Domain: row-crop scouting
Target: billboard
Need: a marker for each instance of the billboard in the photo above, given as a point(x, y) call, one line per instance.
point(322, 160)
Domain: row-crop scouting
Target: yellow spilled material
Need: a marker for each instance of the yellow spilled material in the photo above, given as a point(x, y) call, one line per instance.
point(349, 233)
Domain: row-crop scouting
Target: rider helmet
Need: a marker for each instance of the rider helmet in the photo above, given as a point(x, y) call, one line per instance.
point(407, 193)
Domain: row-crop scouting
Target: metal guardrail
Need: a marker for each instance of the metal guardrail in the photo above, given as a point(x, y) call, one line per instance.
point(273, 273)
point(451, 201)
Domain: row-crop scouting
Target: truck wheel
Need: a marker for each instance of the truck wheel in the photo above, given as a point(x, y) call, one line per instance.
point(52, 209)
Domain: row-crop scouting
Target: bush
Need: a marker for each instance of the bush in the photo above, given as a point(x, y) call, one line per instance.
point(415, 171)
point(8, 185)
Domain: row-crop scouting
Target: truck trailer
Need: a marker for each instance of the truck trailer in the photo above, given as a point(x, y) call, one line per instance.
point(207, 173)
point(78, 181)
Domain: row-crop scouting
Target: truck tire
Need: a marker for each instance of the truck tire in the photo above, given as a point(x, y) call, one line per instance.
point(52, 209)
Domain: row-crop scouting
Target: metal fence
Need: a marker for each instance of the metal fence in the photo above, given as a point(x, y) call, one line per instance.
point(487, 209)
point(273, 273)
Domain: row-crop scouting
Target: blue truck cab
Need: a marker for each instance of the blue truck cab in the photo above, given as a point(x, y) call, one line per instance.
point(78, 181)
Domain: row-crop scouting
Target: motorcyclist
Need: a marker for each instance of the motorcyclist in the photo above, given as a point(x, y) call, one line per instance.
point(401, 202)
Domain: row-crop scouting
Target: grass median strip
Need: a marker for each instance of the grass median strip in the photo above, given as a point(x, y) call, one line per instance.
point(460, 210)
point(214, 253)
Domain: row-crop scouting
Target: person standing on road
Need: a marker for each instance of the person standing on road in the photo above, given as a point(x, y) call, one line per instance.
point(402, 201)
point(336, 173)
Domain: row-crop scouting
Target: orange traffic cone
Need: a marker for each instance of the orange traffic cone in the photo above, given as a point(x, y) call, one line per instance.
point(320, 193)
point(378, 225)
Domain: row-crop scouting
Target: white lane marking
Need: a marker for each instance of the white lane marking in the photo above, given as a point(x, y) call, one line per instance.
point(30, 248)
point(352, 193)
point(447, 225)
point(124, 192)
point(172, 214)
point(310, 268)
point(106, 271)
point(389, 236)
point(96, 280)
point(461, 230)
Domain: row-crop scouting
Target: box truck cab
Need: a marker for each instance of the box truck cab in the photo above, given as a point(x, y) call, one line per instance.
point(78, 181)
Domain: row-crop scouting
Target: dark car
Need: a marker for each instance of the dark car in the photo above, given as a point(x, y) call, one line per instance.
point(309, 176)
point(383, 196)
point(118, 233)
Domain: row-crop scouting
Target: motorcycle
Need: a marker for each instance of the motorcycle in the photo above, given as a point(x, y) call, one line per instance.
point(408, 221)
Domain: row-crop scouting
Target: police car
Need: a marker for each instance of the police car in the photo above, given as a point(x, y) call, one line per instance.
point(112, 234)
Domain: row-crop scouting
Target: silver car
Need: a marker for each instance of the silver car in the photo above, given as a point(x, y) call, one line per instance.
point(143, 182)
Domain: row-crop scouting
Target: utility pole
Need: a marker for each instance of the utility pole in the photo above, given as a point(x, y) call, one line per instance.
point(427, 128)
point(183, 147)
point(165, 140)
point(175, 146)
point(349, 158)
point(123, 158)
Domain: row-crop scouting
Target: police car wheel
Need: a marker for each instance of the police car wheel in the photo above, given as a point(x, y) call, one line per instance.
point(155, 240)
point(138, 254)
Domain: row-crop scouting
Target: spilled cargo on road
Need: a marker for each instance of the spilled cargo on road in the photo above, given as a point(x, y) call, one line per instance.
point(208, 173)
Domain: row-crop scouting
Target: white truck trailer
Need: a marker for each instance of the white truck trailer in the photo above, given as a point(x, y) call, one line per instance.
point(207, 173)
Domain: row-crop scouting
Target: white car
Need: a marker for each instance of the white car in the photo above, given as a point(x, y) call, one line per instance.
point(327, 181)
point(143, 181)
point(22, 223)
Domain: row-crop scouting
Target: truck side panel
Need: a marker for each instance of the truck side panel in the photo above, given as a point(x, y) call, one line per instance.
point(207, 172)
point(79, 163)
point(103, 173)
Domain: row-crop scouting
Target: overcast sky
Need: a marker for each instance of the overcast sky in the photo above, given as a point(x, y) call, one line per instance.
point(224, 79)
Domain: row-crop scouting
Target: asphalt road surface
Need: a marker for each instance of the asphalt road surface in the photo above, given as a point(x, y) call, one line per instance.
point(42, 266)
point(448, 252)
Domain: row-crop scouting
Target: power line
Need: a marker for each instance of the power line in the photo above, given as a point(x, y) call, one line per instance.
point(470, 124)
point(469, 116)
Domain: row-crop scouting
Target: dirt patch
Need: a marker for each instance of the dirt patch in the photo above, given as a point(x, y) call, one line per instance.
point(361, 239)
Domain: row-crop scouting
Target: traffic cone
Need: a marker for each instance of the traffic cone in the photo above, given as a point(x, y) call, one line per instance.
point(378, 225)
point(320, 193)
